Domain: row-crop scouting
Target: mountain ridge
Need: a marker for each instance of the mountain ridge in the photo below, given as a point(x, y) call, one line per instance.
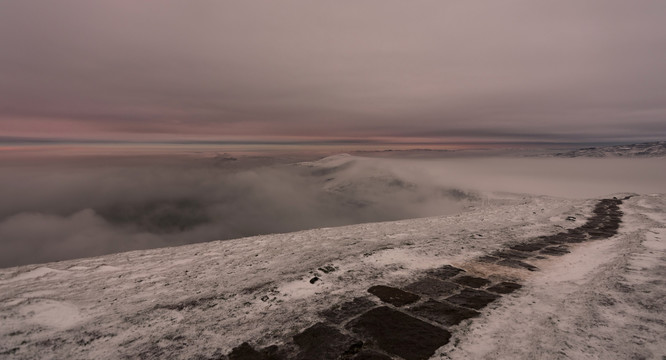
point(639, 150)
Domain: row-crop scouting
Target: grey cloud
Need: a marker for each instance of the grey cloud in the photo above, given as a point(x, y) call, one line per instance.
point(56, 211)
point(343, 69)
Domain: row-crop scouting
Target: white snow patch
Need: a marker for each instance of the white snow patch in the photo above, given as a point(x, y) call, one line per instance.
point(37, 294)
point(300, 289)
point(52, 313)
point(404, 259)
point(36, 273)
point(577, 266)
point(105, 268)
point(78, 268)
point(13, 302)
point(655, 239)
point(182, 261)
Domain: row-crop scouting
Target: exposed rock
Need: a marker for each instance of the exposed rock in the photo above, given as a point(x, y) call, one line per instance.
point(338, 313)
point(471, 281)
point(472, 298)
point(400, 334)
point(393, 296)
point(443, 312)
point(504, 287)
point(433, 287)
point(322, 341)
point(445, 272)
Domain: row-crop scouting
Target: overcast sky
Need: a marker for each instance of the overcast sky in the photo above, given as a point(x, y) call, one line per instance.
point(406, 71)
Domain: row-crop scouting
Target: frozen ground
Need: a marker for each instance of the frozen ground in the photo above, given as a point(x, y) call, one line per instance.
point(604, 300)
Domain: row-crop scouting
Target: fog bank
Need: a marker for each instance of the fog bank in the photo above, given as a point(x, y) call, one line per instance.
point(67, 210)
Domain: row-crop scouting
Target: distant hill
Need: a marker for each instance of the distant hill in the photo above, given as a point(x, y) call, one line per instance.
point(650, 149)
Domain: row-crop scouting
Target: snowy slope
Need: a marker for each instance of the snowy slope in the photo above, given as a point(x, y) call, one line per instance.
point(203, 300)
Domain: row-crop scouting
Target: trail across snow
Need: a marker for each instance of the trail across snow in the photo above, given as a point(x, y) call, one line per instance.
point(604, 300)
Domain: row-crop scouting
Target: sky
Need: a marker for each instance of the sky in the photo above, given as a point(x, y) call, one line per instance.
point(347, 72)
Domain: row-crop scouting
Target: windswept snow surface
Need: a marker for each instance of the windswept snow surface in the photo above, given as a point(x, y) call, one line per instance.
point(603, 300)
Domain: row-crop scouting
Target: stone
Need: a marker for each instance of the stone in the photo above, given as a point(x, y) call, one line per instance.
point(247, 352)
point(393, 296)
point(472, 298)
point(445, 272)
point(517, 264)
point(471, 281)
point(327, 269)
point(369, 355)
point(443, 312)
point(399, 334)
point(341, 312)
point(529, 247)
point(322, 341)
point(512, 254)
point(488, 259)
point(556, 250)
point(433, 287)
point(504, 287)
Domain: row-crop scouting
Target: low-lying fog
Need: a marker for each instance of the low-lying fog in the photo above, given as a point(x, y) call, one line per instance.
point(60, 211)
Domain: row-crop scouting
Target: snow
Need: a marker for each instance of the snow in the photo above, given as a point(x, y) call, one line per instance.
point(36, 273)
point(51, 313)
point(604, 300)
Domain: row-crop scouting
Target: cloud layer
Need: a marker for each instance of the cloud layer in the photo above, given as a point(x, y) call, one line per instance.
point(59, 211)
point(55, 210)
point(517, 70)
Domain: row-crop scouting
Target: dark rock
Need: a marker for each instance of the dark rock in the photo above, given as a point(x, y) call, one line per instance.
point(443, 312)
point(559, 238)
point(353, 350)
point(574, 236)
point(601, 234)
point(471, 281)
point(556, 250)
point(488, 259)
point(369, 355)
point(571, 218)
point(393, 296)
point(529, 247)
point(504, 287)
point(314, 280)
point(341, 312)
point(445, 272)
point(472, 298)
point(245, 352)
point(400, 334)
point(327, 269)
point(433, 287)
point(322, 341)
point(517, 264)
point(512, 254)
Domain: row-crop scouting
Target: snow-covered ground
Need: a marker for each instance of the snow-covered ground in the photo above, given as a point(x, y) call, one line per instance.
point(604, 300)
